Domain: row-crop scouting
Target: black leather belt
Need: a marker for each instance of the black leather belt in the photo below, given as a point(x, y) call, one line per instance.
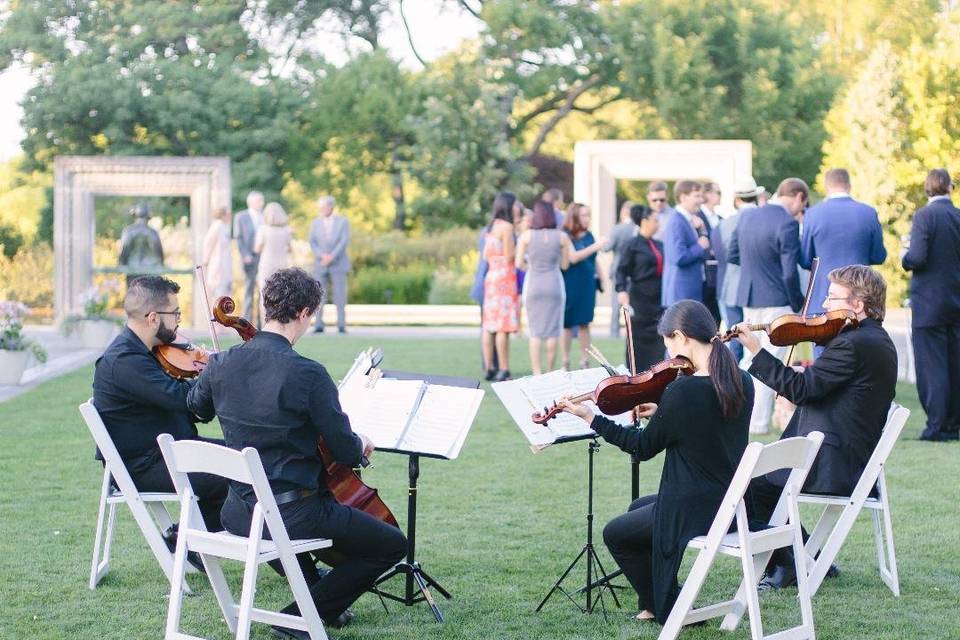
point(293, 495)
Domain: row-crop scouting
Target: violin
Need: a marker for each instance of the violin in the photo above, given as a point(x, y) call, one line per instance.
point(791, 329)
point(342, 481)
point(181, 359)
point(617, 394)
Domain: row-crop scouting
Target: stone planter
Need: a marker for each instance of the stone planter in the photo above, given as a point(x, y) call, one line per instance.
point(12, 365)
point(96, 334)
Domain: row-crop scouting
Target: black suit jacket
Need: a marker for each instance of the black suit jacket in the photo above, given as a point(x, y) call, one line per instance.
point(934, 258)
point(846, 394)
point(766, 245)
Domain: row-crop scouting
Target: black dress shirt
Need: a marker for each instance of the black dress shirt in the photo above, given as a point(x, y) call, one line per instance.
point(269, 397)
point(137, 400)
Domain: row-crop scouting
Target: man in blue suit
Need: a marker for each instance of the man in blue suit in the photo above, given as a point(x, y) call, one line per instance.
point(684, 247)
point(934, 258)
point(766, 245)
point(840, 231)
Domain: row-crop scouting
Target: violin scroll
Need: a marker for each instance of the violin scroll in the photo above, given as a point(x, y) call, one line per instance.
point(223, 313)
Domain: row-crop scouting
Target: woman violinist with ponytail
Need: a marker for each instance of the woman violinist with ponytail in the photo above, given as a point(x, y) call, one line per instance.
point(702, 422)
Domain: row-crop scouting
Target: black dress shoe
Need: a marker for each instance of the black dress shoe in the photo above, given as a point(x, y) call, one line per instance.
point(939, 436)
point(170, 539)
point(318, 329)
point(779, 578)
point(490, 374)
point(502, 374)
point(833, 571)
point(340, 622)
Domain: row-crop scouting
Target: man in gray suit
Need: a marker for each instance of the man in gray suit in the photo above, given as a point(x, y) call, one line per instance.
point(620, 236)
point(245, 227)
point(329, 237)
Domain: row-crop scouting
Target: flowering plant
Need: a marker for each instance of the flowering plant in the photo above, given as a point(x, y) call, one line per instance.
point(97, 302)
point(12, 314)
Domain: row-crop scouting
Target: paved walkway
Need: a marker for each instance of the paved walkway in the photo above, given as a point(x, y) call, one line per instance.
point(64, 357)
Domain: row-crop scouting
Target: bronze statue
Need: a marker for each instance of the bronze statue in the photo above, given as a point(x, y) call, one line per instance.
point(140, 246)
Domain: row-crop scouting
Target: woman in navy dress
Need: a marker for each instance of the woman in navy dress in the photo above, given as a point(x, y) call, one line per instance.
point(579, 281)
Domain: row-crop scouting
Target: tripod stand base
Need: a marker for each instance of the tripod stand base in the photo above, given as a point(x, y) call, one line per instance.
point(594, 567)
point(415, 575)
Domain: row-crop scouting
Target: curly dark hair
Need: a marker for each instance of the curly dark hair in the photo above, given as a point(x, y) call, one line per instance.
point(289, 291)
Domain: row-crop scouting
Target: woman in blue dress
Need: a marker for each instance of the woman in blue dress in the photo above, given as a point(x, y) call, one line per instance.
point(579, 281)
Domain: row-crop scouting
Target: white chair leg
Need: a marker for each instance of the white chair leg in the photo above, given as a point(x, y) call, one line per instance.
point(250, 569)
point(221, 591)
point(831, 548)
point(301, 594)
point(732, 620)
point(688, 594)
point(886, 553)
point(823, 528)
point(800, 566)
point(750, 580)
point(178, 579)
point(99, 568)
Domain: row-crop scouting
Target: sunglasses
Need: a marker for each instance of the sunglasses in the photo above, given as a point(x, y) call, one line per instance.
point(658, 199)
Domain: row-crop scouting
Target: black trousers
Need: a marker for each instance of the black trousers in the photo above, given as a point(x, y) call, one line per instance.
point(937, 360)
point(629, 538)
point(149, 473)
point(762, 498)
point(371, 547)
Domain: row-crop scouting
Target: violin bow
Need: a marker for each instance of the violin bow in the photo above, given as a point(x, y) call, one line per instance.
point(815, 265)
point(599, 357)
point(206, 299)
point(631, 357)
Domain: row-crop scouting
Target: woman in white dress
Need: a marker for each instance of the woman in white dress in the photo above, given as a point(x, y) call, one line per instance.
point(272, 242)
point(217, 258)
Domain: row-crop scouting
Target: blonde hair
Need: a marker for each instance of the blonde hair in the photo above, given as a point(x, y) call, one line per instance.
point(274, 215)
point(865, 284)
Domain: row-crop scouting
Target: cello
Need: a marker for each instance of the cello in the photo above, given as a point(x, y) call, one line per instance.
point(342, 481)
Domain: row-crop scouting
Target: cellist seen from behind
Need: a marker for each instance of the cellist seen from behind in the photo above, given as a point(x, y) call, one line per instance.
point(269, 397)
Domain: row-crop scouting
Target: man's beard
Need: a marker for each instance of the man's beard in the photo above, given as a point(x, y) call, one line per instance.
point(165, 334)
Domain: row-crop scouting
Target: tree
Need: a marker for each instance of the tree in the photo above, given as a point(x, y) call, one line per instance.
point(356, 124)
point(897, 120)
point(463, 153)
point(129, 78)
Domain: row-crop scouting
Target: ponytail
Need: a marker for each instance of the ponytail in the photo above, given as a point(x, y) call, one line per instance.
point(694, 320)
point(726, 378)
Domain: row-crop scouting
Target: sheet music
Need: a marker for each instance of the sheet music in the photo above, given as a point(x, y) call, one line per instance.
point(523, 396)
point(442, 421)
point(381, 412)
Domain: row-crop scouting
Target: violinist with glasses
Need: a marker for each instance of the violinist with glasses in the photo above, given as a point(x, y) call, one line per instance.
point(845, 394)
point(702, 422)
point(138, 400)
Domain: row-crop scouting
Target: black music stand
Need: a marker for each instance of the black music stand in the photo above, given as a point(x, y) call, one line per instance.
point(415, 578)
point(594, 566)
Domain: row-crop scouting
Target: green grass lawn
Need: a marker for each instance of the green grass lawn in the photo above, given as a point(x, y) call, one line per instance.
point(496, 527)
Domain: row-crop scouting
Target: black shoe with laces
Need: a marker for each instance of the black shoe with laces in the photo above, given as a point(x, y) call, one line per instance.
point(170, 539)
point(778, 578)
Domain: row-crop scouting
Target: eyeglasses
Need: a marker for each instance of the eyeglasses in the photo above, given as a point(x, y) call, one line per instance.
point(828, 298)
point(175, 313)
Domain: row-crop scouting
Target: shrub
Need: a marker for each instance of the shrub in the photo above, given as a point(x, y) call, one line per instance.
point(380, 285)
point(28, 278)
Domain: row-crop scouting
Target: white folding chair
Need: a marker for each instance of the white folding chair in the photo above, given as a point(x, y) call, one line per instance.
point(190, 456)
point(752, 547)
point(149, 509)
point(840, 512)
